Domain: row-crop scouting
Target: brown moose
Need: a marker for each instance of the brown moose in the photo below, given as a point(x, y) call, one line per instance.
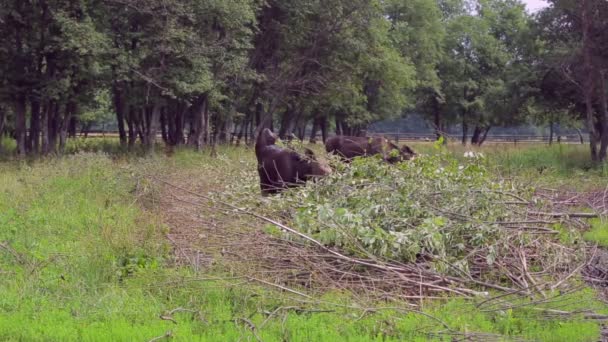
point(349, 147)
point(280, 168)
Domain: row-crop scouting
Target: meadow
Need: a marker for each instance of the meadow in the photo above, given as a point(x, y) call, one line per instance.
point(104, 245)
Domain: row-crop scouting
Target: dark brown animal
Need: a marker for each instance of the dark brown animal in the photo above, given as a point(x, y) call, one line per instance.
point(350, 147)
point(280, 168)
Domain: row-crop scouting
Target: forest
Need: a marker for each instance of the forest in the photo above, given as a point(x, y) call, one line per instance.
point(205, 72)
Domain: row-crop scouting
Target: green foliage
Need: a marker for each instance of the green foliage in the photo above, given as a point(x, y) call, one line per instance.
point(392, 216)
point(434, 207)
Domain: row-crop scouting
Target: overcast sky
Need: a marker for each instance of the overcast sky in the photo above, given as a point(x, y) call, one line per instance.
point(535, 5)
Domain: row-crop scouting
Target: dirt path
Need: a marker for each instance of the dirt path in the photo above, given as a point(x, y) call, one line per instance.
point(207, 238)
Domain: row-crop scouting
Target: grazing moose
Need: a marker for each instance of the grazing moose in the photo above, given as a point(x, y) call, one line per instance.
point(280, 168)
point(350, 147)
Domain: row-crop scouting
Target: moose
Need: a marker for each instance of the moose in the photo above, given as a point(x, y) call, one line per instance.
point(349, 147)
point(281, 168)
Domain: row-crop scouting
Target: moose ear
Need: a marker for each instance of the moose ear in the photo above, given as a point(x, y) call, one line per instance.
point(267, 136)
point(407, 149)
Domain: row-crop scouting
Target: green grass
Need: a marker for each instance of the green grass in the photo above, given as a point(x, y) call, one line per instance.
point(83, 261)
point(555, 166)
point(598, 232)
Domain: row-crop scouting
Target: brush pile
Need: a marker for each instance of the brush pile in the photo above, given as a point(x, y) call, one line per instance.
point(432, 225)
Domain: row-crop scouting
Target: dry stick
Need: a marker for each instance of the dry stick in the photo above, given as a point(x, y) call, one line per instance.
point(167, 318)
point(168, 236)
point(524, 264)
point(522, 222)
point(559, 215)
point(250, 325)
point(375, 309)
point(280, 286)
point(14, 253)
point(521, 199)
point(286, 308)
point(513, 292)
point(586, 314)
point(459, 291)
point(542, 301)
point(577, 270)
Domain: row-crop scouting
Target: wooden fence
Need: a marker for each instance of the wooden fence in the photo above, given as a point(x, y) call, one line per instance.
point(422, 137)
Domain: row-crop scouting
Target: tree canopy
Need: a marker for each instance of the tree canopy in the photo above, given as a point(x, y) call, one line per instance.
point(201, 72)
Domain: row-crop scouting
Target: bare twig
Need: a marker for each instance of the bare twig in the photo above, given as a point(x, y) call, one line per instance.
point(280, 287)
point(559, 215)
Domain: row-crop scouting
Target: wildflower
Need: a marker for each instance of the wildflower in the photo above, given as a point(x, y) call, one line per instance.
point(476, 155)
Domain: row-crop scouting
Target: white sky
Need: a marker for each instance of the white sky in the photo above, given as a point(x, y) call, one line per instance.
point(535, 5)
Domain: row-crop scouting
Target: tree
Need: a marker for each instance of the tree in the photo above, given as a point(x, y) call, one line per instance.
point(484, 72)
point(577, 63)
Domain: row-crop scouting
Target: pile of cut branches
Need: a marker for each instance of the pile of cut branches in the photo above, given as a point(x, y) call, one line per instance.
point(436, 223)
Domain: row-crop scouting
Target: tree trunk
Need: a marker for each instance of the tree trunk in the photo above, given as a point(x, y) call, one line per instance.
point(465, 128)
point(84, 130)
point(198, 111)
point(476, 137)
point(44, 123)
point(301, 130)
point(323, 124)
point(2, 122)
point(286, 122)
point(263, 118)
point(131, 124)
point(140, 124)
point(589, 82)
point(72, 127)
point(163, 125)
point(180, 123)
point(53, 127)
point(551, 132)
point(119, 108)
point(580, 136)
point(153, 119)
point(603, 117)
point(437, 122)
point(20, 126)
point(35, 126)
point(241, 131)
point(70, 110)
point(485, 135)
point(224, 128)
point(313, 132)
point(206, 125)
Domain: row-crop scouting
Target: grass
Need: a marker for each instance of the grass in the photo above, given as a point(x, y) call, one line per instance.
point(598, 233)
point(555, 166)
point(82, 259)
